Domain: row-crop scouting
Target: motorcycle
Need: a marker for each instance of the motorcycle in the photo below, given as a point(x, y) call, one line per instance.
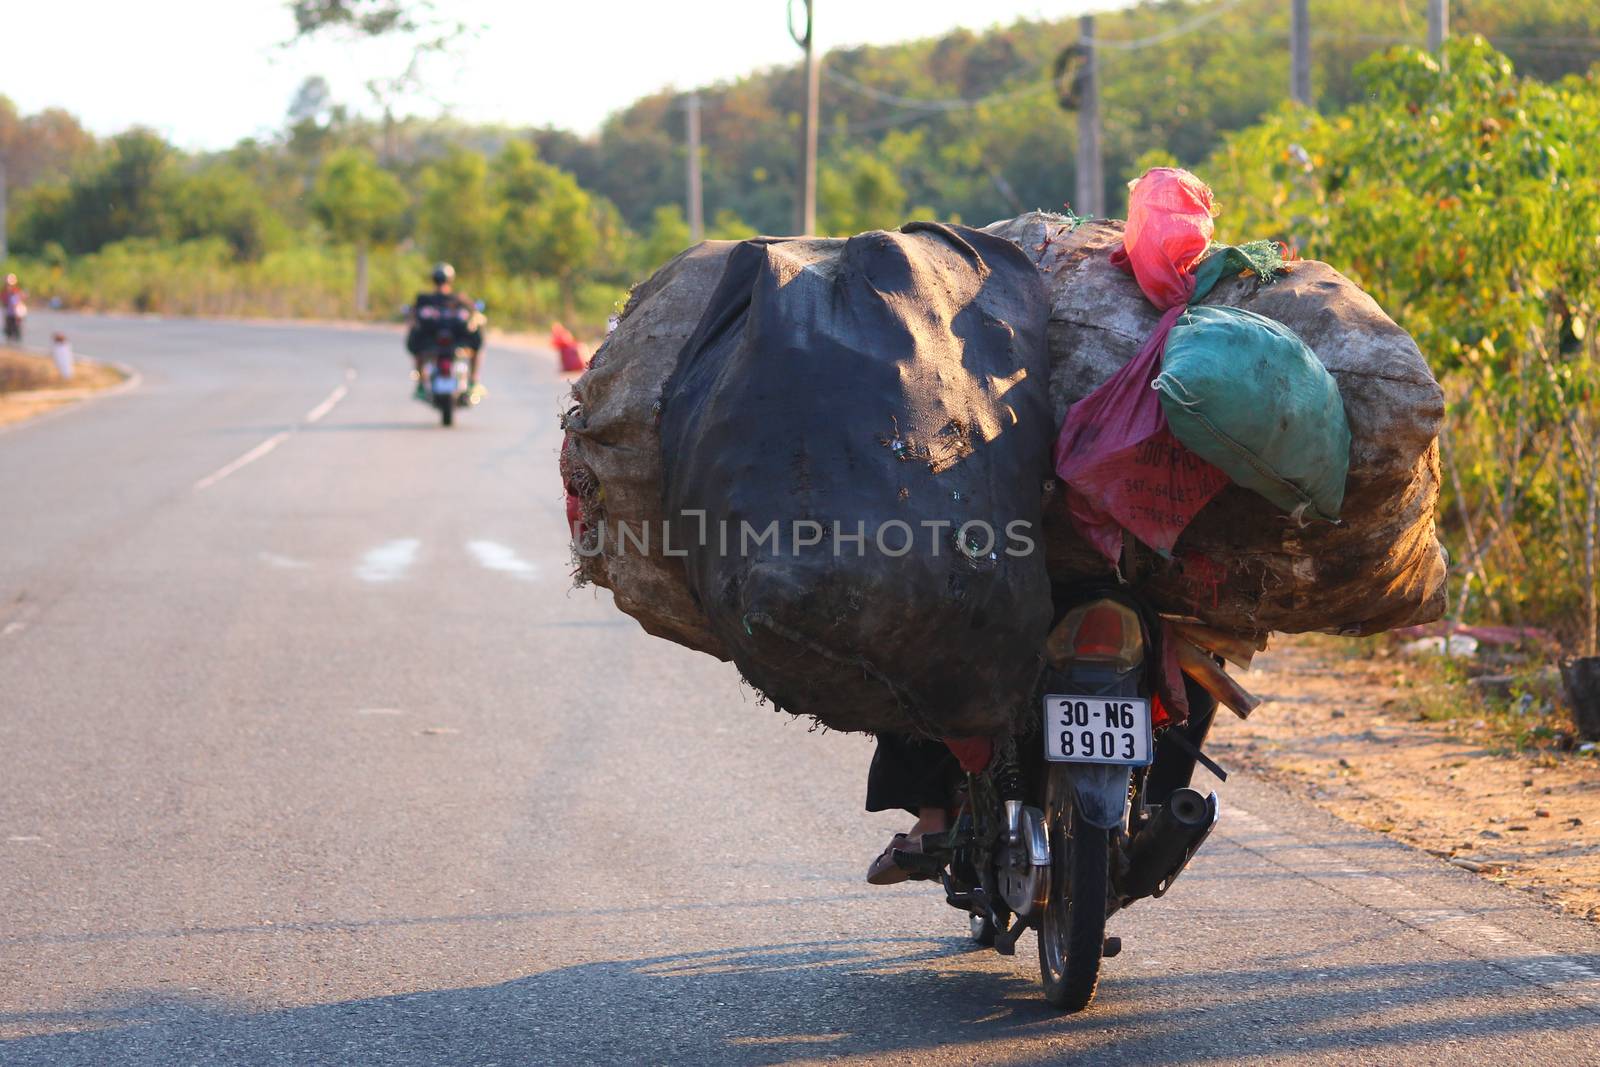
point(447, 379)
point(447, 374)
point(1086, 811)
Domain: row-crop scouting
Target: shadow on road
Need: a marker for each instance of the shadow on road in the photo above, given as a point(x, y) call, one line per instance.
point(788, 1003)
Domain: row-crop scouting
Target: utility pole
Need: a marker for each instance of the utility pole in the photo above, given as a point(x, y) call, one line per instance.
point(1300, 52)
point(806, 215)
point(1091, 175)
point(697, 211)
point(1438, 24)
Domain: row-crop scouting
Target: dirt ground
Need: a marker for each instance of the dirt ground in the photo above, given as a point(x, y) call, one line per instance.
point(1384, 741)
point(29, 384)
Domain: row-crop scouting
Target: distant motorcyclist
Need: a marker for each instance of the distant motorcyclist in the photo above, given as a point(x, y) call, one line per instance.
point(444, 310)
point(14, 307)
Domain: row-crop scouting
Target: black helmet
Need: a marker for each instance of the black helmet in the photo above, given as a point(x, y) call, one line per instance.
point(443, 274)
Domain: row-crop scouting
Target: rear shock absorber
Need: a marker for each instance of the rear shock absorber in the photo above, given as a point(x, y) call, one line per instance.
point(1008, 784)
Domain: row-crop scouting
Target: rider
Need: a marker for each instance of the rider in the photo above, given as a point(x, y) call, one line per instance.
point(444, 309)
point(11, 296)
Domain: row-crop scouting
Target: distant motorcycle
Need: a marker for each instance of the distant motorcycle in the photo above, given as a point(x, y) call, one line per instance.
point(1081, 814)
point(447, 378)
point(447, 374)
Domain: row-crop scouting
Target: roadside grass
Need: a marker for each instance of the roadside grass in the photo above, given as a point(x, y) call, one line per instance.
point(30, 385)
point(1523, 712)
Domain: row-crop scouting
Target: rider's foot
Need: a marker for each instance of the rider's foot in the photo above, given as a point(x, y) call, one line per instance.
point(421, 392)
point(476, 392)
point(883, 870)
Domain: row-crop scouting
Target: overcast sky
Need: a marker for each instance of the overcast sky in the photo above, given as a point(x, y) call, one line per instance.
point(208, 72)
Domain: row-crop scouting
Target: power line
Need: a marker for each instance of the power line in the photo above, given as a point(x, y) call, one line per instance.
point(923, 104)
point(1167, 34)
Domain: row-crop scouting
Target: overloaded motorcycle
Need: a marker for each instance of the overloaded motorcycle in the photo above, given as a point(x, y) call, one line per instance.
point(1089, 809)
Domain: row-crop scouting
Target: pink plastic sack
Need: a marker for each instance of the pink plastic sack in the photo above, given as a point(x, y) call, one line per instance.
point(1169, 229)
point(1121, 464)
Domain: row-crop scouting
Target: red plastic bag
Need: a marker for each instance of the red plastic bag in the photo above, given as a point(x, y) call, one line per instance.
point(566, 347)
point(1169, 230)
point(1122, 466)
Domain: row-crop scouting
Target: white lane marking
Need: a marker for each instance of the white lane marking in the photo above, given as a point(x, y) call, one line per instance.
point(497, 557)
point(24, 837)
point(1460, 930)
point(286, 563)
point(380, 711)
point(327, 405)
point(13, 628)
point(388, 561)
point(243, 461)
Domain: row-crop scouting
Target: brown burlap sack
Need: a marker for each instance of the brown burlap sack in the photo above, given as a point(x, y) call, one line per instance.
point(1244, 565)
point(1241, 566)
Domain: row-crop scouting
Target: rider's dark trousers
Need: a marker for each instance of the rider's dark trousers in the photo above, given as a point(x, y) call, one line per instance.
point(911, 773)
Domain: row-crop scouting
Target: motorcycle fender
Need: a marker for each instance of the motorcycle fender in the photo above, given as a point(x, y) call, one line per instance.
point(1101, 792)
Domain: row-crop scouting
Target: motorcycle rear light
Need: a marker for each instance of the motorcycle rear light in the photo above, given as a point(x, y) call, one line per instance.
point(1103, 631)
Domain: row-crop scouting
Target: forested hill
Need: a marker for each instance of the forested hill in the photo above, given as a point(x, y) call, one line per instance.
point(897, 135)
point(967, 126)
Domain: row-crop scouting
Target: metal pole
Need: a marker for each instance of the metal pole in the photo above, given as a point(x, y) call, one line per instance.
point(1091, 174)
point(808, 151)
point(1300, 52)
point(1438, 23)
point(697, 216)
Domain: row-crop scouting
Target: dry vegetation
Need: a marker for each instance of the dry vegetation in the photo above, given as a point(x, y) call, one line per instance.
point(1496, 783)
point(29, 384)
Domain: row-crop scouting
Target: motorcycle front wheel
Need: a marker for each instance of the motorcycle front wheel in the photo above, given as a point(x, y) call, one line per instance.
point(447, 409)
point(1072, 933)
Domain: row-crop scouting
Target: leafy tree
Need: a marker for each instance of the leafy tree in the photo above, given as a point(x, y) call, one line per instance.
point(42, 147)
point(863, 194)
point(1467, 201)
point(727, 226)
point(548, 225)
point(222, 201)
point(127, 191)
point(360, 204)
point(667, 236)
point(457, 219)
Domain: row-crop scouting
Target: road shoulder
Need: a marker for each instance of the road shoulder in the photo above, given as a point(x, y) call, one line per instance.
point(1345, 733)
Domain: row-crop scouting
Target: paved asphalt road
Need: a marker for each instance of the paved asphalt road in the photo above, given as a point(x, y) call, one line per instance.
point(322, 762)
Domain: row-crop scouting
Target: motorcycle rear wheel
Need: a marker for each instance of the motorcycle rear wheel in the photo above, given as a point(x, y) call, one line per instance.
point(447, 409)
point(1072, 930)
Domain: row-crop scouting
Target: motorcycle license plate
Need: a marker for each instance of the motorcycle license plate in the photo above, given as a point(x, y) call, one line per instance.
point(441, 384)
point(1085, 729)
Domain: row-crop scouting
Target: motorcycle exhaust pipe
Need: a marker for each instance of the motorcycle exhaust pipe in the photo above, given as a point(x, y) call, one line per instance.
point(1163, 848)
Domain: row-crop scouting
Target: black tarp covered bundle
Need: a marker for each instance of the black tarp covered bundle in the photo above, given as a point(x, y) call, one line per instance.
point(853, 445)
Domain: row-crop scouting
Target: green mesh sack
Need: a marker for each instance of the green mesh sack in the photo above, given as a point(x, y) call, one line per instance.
point(1246, 394)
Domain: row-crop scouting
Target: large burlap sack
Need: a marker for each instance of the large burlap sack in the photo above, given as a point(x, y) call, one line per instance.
point(1242, 564)
point(853, 445)
point(611, 457)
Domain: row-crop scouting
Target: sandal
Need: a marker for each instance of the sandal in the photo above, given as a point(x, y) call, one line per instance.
point(884, 870)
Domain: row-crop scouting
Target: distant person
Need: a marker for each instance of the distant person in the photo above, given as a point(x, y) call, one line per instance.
point(444, 309)
point(14, 306)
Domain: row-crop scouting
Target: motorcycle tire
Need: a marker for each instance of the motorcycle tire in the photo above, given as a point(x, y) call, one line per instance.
point(1072, 930)
point(447, 410)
